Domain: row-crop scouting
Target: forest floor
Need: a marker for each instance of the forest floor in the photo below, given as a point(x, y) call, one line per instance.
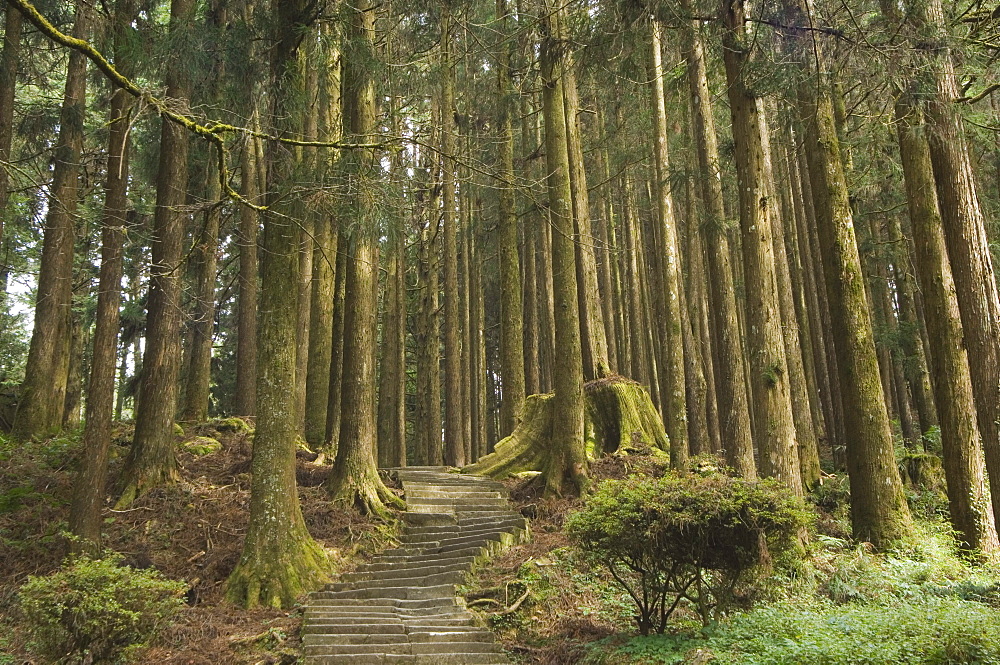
point(191, 531)
point(920, 603)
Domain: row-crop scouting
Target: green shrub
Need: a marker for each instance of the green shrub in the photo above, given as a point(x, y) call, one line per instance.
point(97, 611)
point(686, 536)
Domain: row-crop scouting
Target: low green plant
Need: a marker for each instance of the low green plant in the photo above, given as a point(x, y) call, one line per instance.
point(93, 610)
point(687, 536)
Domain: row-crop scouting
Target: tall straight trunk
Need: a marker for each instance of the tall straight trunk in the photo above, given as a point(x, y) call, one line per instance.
point(465, 317)
point(333, 409)
point(805, 431)
point(151, 460)
point(9, 59)
point(306, 242)
point(317, 379)
point(85, 516)
point(43, 394)
point(806, 308)
point(603, 234)
point(568, 462)
point(965, 231)
point(511, 321)
point(428, 422)
point(970, 509)
point(325, 253)
point(879, 512)
point(672, 390)
point(772, 404)
point(594, 345)
point(74, 373)
point(205, 256)
point(631, 244)
point(914, 358)
point(546, 302)
point(817, 293)
point(354, 480)
point(731, 387)
point(478, 313)
point(246, 303)
point(392, 381)
point(531, 301)
point(280, 560)
point(454, 451)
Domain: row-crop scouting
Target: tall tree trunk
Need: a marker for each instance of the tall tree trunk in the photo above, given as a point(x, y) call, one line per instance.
point(672, 390)
point(594, 345)
point(568, 460)
point(303, 289)
point(89, 485)
point(879, 512)
point(43, 394)
point(731, 388)
point(333, 409)
point(199, 376)
point(151, 459)
point(805, 431)
point(603, 234)
point(280, 560)
point(355, 480)
point(454, 451)
point(9, 60)
point(246, 304)
point(775, 425)
point(968, 496)
point(965, 231)
point(511, 323)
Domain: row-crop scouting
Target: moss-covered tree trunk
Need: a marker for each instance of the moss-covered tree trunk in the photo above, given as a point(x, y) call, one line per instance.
point(43, 393)
point(89, 486)
point(246, 303)
point(355, 480)
point(879, 512)
point(567, 461)
point(969, 503)
point(731, 388)
point(10, 58)
point(512, 328)
point(151, 460)
point(280, 560)
point(672, 317)
point(774, 429)
point(620, 419)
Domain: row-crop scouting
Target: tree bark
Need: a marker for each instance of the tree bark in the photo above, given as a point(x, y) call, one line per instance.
point(731, 388)
point(775, 426)
point(9, 60)
point(151, 460)
point(969, 504)
point(879, 512)
point(568, 461)
point(89, 485)
point(280, 560)
point(355, 480)
point(43, 393)
point(671, 358)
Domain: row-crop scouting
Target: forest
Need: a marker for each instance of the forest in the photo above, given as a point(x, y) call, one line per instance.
point(674, 257)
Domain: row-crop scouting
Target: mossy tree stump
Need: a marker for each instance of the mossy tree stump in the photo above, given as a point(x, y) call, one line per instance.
point(620, 419)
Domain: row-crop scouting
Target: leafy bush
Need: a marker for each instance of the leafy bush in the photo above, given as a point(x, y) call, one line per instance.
point(686, 536)
point(97, 611)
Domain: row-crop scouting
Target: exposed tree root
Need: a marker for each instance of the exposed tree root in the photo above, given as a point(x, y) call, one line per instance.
point(278, 570)
point(364, 491)
point(620, 418)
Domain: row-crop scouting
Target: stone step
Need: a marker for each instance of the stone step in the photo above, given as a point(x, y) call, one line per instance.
point(379, 564)
point(461, 635)
point(408, 659)
point(389, 571)
point(450, 577)
point(397, 592)
point(422, 491)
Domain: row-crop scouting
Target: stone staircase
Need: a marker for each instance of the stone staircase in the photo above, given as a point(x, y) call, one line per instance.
point(402, 607)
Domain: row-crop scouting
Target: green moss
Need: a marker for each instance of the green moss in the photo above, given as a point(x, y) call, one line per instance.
point(202, 445)
point(233, 424)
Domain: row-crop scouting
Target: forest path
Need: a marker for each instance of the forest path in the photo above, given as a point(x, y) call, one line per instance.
point(402, 607)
